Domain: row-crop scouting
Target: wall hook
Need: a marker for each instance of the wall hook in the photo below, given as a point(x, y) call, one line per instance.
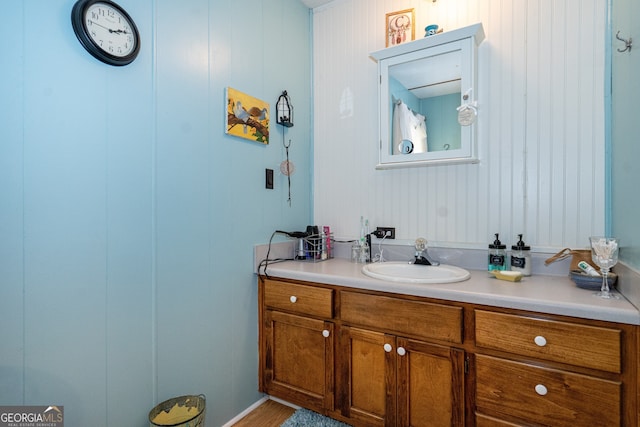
point(627, 43)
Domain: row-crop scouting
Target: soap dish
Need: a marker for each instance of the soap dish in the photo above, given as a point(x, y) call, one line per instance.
point(593, 283)
point(511, 276)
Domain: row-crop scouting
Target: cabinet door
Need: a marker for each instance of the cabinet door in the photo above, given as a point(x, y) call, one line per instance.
point(299, 359)
point(391, 381)
point(430, 384)
point(366, 377)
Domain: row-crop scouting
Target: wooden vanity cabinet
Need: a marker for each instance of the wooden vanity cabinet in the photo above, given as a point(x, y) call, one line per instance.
point(381, 370)
point(386, 378)
point(380, 359)
point(553, 372)
point(297, 343)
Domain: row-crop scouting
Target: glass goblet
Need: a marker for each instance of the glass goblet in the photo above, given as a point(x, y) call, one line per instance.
point(604, 252)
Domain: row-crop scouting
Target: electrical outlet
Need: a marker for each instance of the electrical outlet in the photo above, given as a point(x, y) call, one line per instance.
point(268, 177)
point(389, 232)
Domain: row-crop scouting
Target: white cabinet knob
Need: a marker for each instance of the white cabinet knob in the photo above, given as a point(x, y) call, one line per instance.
point(401, 351)
point(388, 348)
point(540, 341)
point(293, 298)
point(326, 333)
point(541, 390)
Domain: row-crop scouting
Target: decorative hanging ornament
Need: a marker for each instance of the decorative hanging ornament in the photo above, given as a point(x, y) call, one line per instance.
point(467, 114)
point(284, 108)
point(468, 111)
point(287, 168)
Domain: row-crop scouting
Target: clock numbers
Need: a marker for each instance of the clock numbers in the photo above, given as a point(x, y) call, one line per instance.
point(106, 31)
point(109, 29)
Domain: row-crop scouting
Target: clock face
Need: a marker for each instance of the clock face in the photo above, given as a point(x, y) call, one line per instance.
point(110, 29)
point(106, 31)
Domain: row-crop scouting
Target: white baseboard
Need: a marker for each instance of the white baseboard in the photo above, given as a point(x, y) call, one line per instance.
point(244, 413)
point(284, 402)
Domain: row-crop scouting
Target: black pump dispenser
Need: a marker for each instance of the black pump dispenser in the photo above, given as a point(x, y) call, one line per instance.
point(497, 244)
point(520, 245)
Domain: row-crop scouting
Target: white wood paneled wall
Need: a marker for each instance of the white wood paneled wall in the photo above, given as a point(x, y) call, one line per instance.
point(541, 132)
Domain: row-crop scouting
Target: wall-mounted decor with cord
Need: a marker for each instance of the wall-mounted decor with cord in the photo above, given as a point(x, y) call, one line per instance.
point(284, 108)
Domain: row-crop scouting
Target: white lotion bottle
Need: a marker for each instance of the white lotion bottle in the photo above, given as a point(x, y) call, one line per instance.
point(521, 257)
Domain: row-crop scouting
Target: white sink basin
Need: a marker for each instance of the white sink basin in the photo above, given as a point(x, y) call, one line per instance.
point(411, 273)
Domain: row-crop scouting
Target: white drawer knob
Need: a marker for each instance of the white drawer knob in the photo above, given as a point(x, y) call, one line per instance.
point(388, 348)
point(540, 341)
point(401, 351)
point(541, 390)
point(326, 333)
point(293, 298)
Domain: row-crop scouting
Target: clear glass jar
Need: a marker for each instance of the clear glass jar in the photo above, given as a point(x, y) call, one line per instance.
point(497, 255)
point(355, 252)
point(521, 257)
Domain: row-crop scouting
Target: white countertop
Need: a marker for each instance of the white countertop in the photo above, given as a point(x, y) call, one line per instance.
point(546, 294)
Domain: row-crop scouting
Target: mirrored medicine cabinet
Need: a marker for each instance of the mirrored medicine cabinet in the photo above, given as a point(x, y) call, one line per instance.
point(427, 110)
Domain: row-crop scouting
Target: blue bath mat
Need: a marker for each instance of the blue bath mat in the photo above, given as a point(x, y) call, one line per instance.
point(307, 418)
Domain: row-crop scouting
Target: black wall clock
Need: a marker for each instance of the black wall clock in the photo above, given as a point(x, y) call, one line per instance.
point(106, 31)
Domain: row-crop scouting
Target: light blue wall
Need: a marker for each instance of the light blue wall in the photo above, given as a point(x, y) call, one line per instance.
point(625, 144)
point(128, 217)
point(443, 127)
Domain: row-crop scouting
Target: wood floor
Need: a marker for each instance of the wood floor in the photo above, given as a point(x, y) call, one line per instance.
point(269, 414)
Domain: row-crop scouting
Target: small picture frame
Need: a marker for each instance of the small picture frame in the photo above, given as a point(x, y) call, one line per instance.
point(400, 27)
point(246, 116)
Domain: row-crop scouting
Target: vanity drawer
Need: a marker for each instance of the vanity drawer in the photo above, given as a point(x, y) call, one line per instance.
point(413, 318)
point(302, 299)
point(572, 343)
point(545, 396)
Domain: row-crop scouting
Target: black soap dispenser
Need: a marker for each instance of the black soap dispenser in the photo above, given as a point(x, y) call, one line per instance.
point(497, 255)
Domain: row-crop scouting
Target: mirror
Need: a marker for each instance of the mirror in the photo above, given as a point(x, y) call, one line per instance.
point(427, 111)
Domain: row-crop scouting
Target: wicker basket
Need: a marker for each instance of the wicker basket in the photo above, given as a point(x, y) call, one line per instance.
point(198, 403)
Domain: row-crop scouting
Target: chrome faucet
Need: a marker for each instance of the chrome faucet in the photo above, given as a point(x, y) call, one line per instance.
point(422, 255)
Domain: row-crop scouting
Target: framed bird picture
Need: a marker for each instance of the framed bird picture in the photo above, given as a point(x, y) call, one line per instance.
point(247, 117)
